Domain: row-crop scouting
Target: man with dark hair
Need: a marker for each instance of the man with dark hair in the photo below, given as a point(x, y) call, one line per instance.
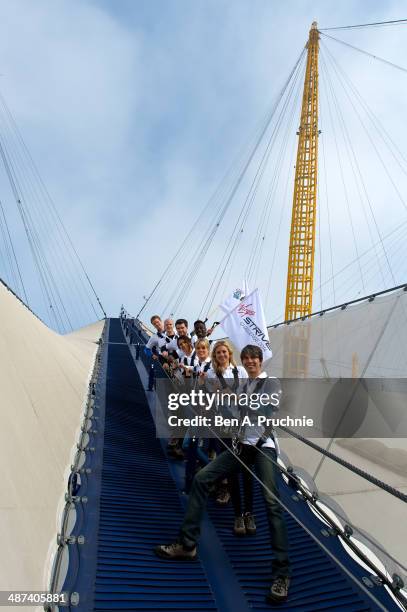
point(258, 447)
point(200, 330)
point(181, 325)
point(252, 351)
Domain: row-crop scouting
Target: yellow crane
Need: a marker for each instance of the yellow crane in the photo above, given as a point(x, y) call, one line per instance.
point(304, 213)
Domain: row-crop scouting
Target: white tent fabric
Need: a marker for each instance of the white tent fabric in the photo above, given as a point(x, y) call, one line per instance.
point(367, 339)
point(43, 384)
point(368, 336)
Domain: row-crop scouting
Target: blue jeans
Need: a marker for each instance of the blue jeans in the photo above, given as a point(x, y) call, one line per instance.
point(226, 463)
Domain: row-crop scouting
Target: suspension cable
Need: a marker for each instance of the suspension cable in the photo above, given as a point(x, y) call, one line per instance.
point(366, 25)
point(403, 202)
point(327, 206)
point(206, 241)
point(283, 209)
point(241, 220)
point(32, 188)
point(280, 319)
point(248, 202)
point(372, 479)
point(259, 239)
point(26, 187)
point(253, 187)
point(371, 264)
point(31, 241)
point(355, 164)
point(11, 253)
point(341, 169)
point(60, 226)
point(376, 57)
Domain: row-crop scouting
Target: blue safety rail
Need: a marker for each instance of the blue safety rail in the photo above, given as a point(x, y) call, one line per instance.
point(139, 506)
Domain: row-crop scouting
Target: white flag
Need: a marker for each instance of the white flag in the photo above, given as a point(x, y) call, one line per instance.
point(246, 324)
point(235, 299)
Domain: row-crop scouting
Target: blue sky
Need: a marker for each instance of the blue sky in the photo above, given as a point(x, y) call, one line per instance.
point(133, 110)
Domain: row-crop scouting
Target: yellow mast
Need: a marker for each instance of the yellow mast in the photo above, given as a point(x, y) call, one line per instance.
point(303, 221)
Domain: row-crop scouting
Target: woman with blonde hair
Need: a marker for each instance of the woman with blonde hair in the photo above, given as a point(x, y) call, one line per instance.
point(223, 370)
point(224, 366)
point(202, 361)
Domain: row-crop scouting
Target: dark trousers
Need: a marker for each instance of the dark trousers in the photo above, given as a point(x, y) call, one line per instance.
point(226, 463)
point(248, 454)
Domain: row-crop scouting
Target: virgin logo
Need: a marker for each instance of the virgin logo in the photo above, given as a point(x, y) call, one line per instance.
point(245, 309)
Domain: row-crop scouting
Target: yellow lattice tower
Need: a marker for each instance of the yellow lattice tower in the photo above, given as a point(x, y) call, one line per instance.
point(303, 221)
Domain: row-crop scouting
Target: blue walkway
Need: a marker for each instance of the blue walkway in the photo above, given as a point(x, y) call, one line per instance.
point(140, 506)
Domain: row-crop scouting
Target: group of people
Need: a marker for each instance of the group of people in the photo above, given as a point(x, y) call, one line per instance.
point(217, 465)
point(178, 350)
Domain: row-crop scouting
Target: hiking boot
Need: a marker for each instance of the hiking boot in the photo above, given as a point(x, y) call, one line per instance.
point(250, 523)
point(279, 589)
point(239, 527)
point(175, 552)
point(223, 496)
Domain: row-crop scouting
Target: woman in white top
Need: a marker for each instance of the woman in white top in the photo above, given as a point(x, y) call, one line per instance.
point(227, 373)
point(187, 355)
point(203, 361)
point(224, 366)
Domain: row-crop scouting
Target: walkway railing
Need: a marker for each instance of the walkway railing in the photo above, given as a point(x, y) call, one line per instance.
point(70, 538)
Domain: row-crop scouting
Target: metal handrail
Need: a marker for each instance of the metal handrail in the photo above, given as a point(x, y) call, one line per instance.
point(370, 298)
point(64, 538)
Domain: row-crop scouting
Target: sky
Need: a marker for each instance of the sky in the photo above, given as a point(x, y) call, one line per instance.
point(134, 110)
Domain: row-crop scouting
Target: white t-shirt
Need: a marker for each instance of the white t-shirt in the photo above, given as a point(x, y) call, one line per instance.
point(172, 345)
point(251, 434)
point(202, 367)
point(188, 360)
point(228, 372)
point(157, 340)
point(232, 375)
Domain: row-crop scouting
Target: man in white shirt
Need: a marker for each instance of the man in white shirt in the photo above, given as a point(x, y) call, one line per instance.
point(157, 340)
point(169, 336)
point(169, 329)
point(257, 448)
point(201, 332)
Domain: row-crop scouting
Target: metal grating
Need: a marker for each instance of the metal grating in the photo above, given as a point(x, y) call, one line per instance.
point(139, 505)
